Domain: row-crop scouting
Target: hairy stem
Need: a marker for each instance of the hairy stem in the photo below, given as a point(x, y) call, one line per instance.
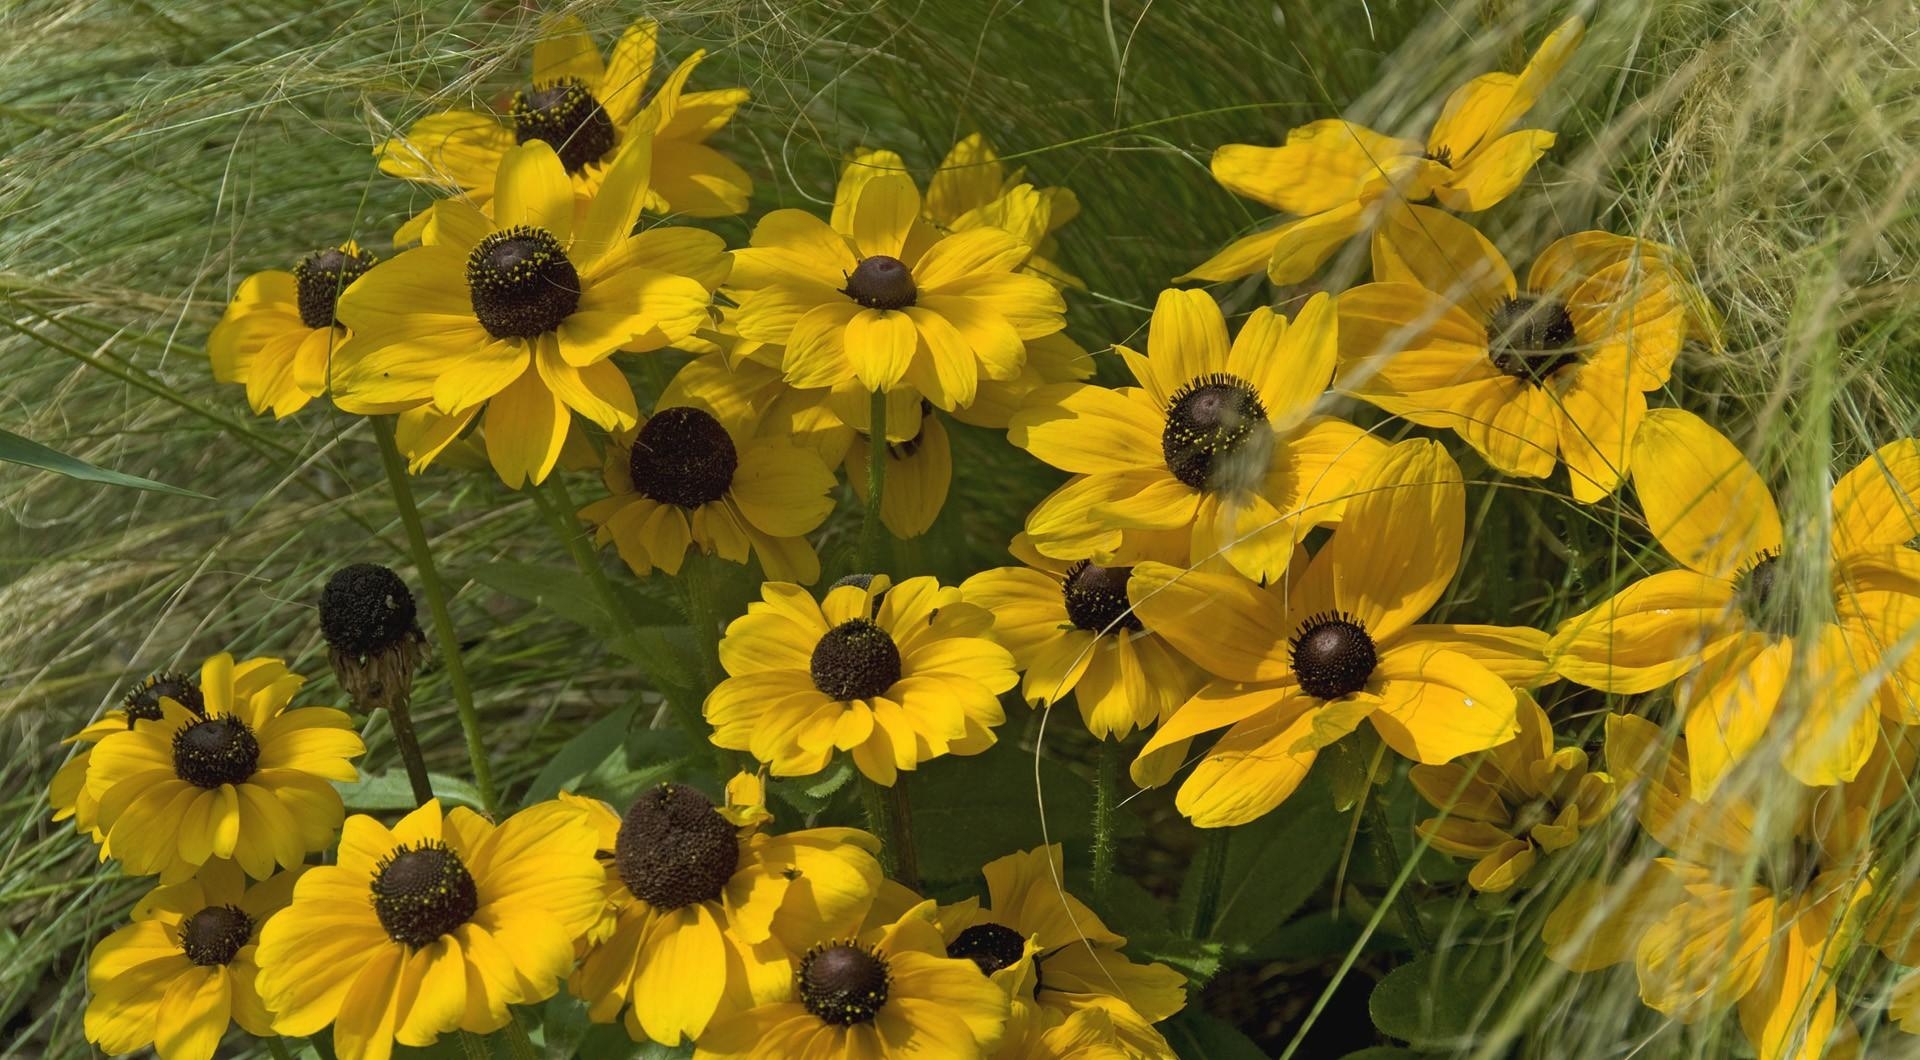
point(1389, 855)
point(1212, 869)
point(400, 714)
point(1106, 788)
point(872, 530)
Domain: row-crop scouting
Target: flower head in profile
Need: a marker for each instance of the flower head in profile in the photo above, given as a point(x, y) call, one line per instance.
point(68, 791)
point(520, 312)
point(1331, 174)
point(1301, 663)
point(683, 478)
point(277, 334)
point(1513, 805)
point(973, 189)
point(888, 993)
point(882, 299)
point(1557, 370)
point(438, 923)
point(893, 674)
point(245, 777)
point(708, 909)
point(587, 108)
point(1752, 647)
point(1216, 454)
point(1050, 953)
point(183, 971)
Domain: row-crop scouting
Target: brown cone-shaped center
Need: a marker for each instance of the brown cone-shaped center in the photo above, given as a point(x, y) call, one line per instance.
point(1217, 436)
point(567, 117)
point(366, 609)
point(881, 282)
point(1333, 656)
point(321, 276)
point(991, 946)
point(682, 456)
point(142, 703)
point(521, 283)
point(215, 934)
point(674, 848)
point(1096, 598)
point(843, 983)
point(1531, 338)
point(855, 660)
point(423, 892)
point(215, 751)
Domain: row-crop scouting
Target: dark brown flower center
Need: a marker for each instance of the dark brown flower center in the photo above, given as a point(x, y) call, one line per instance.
point(855, 660)
point(1217, 436)
point(567, 117)
point(366, 609)
point(1332, 656)
point(321, 276)
point(683, 456)
point(1530, 337)
point(521, 283)
point(1097, 598)
point(843, 983)
point(215, 751)
point(423, 892)
point(1764, 598)
point(674, 848)
point(215, 934)
point(991, 946)
point(881, 282)
point(142, 703)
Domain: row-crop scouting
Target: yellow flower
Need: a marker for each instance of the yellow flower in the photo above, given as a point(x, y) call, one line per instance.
point(68, 791)
point(246, 780)
point(1562, 368)
point(1072, 630)
point(1051, 954)
point(708, 910)
point(1302, 662)
point(685, 478)
point(1215, 453)
point(891, 993)
point(880, 298)
point(1332, 173)
point(587, 109)
point(521, 312)
point(440, 923)
point(1520, 800)
point(894, 674)
point(973, 189)
point(277, 333)
point(1725, 627)
point(184, 970)
point(1099, 1030)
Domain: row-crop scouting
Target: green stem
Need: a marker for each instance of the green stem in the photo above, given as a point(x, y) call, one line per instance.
point(887, 822)
point(872, 530)
point(1389, 855)
point(278, 1047)
point(519, 1043)
point(1106, 788)
point(1213, 869)
point(400, 714)
point(704, 613)
point(475, 1046)
point(436, 594)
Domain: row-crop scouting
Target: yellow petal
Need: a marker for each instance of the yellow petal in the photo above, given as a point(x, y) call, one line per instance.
point(1707, 506)
point(1445, 255)
point(1436, 705)
point(1323, 164)
point(532, 188)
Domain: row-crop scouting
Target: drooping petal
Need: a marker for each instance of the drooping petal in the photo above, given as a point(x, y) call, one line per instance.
point(1703, 500)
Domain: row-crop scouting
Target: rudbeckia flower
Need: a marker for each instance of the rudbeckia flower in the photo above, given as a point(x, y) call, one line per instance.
point(1528, 376)
point(708, 910)
point(1051, 954)
point(889, 993)
point(683, 478)
point(437, 924)
point(279, 330)
point(521, 312)
point(68, 791)
point(972, 189)
point(1072, 630)
point(246, 778)
point(1725, 625)
point(1097, 1031)
point(1517, 803)
point(1215, 453)
point(880, 298)
point(1703, 931)
point(894, 674)
point(183, 971)
point(587, 109)
point(1302, 663)
point(1332, 174)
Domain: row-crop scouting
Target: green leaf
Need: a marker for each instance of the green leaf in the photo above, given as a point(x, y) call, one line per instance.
point(968, 811)
point(568, 594)
point(1276, 863)
point(1202, 1037)
point(1197, 959)
point(581, 755)
point(28, 453)
point(391, 791)
point(1382, 1052)
point(1438, 1000)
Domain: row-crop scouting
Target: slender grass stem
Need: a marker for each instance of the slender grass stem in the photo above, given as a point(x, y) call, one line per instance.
point(1381, 832)
point(1213, 870)
point(436, 595)
point(872, 530)
point(278, 1047)
point(1105, 790)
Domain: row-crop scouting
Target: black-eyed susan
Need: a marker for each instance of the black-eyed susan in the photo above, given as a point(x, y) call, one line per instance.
point(881, 298)
point(709, 910)
point(972, 189)
point(372, 630)
point(587, 108)
point(1300, 664)
point(1727, 626)
point(1515, 804)
point(1051, 954)
point(1072, 630)
point(684, 478)
point(1215, 455)
point(68, 790)
point(522, 311)
point(1331, 174)
point(893, 674)
point(183, 971)
point(278, 333)
point(1095, 1031)
point(246, 778)
point(1557, 370)
point(889, 993)
point(437, 924)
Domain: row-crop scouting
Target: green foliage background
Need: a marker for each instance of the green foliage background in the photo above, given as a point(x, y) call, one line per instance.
point(153, 154)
